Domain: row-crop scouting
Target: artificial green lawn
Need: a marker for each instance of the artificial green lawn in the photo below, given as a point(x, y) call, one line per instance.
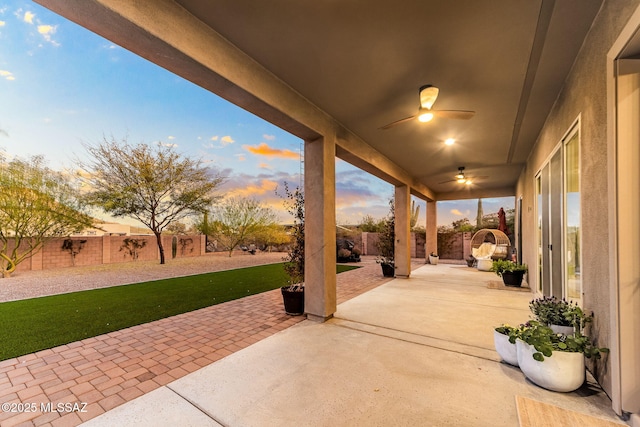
point(35, 324)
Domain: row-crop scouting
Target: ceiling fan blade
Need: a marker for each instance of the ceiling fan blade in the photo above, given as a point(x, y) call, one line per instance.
point(397, 122)
point(449, 180)
point(454, 114)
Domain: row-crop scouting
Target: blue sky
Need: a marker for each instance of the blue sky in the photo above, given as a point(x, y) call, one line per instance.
point(62, 86)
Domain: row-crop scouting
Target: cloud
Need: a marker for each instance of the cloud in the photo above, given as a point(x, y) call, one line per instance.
point(264, 186)
point(2, 23)
point(264, 166)
point(241, 157)
point(7, 75)
point(226, 140)
point(269, 137)
point(47, 31)
point(28, 17)
point(457, 212)
point(167, 144)
point(222, 142)
point(171, 137)
point(264, 150)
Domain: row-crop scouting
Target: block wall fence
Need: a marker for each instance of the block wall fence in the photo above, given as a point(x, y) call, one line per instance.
point(96, 250)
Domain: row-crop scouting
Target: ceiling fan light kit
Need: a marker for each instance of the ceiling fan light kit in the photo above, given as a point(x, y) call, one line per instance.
point(428, 95)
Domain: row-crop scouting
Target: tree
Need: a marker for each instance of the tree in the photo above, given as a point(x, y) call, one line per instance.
point(369, 225)
point(36, 204)
point(154, 185)
point(238, 220)
point(272, 235)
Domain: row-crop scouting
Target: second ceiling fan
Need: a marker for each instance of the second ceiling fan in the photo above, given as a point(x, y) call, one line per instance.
point(428, 95)
point(462, 178)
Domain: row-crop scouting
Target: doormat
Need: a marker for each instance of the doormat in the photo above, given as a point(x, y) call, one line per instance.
point(494, 284)
point(532, 413)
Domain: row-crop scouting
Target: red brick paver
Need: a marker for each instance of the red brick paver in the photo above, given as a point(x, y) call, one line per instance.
point(106, 371)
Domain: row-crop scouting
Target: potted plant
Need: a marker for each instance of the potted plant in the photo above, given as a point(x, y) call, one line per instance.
point(512, 273)
point(433, 258)
point(386, 244)
point(505, 348)
point(553, 361)
point(293, 293)
point(560, 315)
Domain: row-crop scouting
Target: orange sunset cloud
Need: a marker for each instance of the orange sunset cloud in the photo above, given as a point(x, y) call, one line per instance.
point(265, 186)
point(264, 150)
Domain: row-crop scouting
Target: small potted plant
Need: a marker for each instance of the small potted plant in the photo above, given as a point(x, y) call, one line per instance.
point(512, 273)
point(433, 258)
point(560, 315)
point(553, 361)
point(505, 348)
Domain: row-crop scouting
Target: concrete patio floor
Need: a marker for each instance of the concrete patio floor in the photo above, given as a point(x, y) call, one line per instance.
point(415, 351)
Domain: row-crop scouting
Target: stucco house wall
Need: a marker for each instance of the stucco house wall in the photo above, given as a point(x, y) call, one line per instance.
point(584, 97)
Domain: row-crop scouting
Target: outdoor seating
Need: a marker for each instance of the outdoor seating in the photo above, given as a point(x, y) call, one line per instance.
point(489, 244)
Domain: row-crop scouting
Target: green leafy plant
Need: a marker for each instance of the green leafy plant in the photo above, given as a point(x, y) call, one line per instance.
point(294, 261)
point(554, 311)
point(545, 341)
point(386, 241)
point(505, 329)
point(501, 266)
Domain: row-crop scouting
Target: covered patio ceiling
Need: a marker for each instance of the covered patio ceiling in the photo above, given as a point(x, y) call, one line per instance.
point(363, 62)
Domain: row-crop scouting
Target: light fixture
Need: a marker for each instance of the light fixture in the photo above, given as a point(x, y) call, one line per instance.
point(461, 179)
point(424, 115)
point(449, 141)
point(468, 182)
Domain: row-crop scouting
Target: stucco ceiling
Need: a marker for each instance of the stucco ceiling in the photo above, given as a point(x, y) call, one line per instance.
point(363, 62)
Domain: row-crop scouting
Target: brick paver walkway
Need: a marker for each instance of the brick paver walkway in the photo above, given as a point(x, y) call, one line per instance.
point(106, 371)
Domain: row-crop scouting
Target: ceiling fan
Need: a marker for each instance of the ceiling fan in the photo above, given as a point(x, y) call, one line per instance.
point(428, 95)
point(462, 178)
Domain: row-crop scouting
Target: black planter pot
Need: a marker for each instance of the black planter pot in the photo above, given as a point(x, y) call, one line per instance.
point(388, 270)
point(293, 301)
point(512, 278)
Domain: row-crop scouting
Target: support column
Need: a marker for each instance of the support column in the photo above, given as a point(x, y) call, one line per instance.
point(403, 231)
point(431, 244)
point(320, 228)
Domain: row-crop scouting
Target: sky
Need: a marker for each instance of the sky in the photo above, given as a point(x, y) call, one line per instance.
point(62, 86)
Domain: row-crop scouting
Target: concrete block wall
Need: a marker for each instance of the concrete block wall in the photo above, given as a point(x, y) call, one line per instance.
point(96, 250)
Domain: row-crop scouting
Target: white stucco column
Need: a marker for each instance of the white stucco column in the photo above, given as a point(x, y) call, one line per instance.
point(403, 231)
point(431, 244)
point(320, 228)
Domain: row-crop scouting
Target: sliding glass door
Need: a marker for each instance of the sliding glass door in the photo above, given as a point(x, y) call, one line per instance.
point(558, 221)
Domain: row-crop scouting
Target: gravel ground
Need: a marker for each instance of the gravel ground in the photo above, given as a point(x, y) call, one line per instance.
point(33, 284)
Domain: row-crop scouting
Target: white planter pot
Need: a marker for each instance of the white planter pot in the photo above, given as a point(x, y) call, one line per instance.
point(505, 349)
point(563, 371)
point(433, 260)
point(484, 264)
point(566, 330)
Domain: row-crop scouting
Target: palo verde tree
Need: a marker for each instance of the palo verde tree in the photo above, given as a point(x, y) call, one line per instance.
point(36, 204)
point(153, 184)
point(238, 220)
